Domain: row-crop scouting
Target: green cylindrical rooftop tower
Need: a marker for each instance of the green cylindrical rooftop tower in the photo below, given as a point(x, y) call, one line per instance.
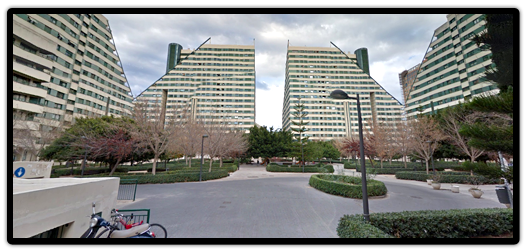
point(174, 55)
point(362, 58)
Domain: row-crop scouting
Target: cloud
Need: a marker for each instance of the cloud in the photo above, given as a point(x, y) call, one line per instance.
point(262, 85)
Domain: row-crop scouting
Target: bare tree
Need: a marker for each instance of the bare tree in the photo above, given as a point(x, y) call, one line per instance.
point(187, 138)
point(150, 130)
point(452, 122)
point(234, 143)
point(34, 134)
point(114, 146)
point(216, 130)
point(425, 135)
point(402, 138)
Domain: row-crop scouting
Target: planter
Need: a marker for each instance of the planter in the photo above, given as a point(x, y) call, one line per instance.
point(435, 185)
point(455, 189)
point(477, 193)
point(429, 181)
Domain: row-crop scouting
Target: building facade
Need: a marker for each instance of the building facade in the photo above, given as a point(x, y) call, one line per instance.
point(312, 73)
point(453, 68)
point(215, 82)
point(407, 78)
point(64, 66)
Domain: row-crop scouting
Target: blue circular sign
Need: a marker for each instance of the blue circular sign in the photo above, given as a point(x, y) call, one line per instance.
point(19, 172)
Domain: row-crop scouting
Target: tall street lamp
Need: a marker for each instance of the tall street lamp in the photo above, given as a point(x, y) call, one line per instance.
point(339, 94)
point(202, 143)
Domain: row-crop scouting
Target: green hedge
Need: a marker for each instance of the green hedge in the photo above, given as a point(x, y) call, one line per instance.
point(347, 186)
point(318, 168)
point(454, 223)
point(447, 177)
point(170, 177)
point(393, 170)
point(349, 165)
point(55, 173)
point(230, 167)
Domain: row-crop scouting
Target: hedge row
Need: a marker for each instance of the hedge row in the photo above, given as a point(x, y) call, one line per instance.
point(230, 167)
point(455, 223)
point(446, 177)
point(170, 177)
point(400, 164)
point(318, 168)
point(394, 170)
point(346, 186)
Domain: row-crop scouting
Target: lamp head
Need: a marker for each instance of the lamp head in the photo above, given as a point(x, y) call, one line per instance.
point(205, 136)
point(339, 94)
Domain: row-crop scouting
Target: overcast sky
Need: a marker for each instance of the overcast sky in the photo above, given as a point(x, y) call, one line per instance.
point(394, 43)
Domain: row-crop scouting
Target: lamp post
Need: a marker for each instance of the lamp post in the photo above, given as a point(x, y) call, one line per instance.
point(339, 94)
point(202, 143)
point(432, 164)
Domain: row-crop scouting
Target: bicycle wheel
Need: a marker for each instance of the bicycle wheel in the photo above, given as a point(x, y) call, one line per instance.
point(158, 230)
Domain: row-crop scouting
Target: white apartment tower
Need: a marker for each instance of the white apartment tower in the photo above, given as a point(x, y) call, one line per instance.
point(215, 82)
point(453, 68)
point(312, 73)
point(64, 66)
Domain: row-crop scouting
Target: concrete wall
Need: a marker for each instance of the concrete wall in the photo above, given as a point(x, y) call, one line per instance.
point(32, 169)
point(40, 205)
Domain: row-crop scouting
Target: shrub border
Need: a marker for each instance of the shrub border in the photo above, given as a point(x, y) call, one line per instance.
point(374, 187)
point(318, 168)
point(454, 223)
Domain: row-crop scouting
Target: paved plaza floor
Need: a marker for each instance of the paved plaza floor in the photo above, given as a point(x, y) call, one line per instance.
point(254, 203)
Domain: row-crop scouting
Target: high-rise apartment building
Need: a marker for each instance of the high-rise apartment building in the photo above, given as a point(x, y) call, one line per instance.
point(454, 67)
point(215, 82)
point(407, 78)
point(64, 66)
point(312, 73)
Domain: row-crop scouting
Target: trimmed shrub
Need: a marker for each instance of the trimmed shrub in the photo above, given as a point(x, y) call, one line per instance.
point(393, 170)
point(349, 165)
point(446, 177)
point(318, 168)
point(356, 227)
point(170, 177)
point(346, 186)
point(55, 173)
point(454, 223)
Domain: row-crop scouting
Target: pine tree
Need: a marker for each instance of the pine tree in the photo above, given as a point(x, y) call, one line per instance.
point(494, 131)
point(300, 129)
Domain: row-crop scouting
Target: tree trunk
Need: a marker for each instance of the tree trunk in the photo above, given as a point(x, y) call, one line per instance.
point(371, 161)
point(154, 164)
point(210, 169)
point(381, 162)
point(427, 167)
point(220, 161)
point(115, 167)
point(405, 161)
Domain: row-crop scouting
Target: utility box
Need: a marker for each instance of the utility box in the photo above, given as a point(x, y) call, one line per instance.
point(503, 194)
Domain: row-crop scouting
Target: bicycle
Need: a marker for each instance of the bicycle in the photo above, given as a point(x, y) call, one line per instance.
point(156, 230)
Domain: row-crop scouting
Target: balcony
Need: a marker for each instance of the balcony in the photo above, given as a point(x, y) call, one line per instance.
point(26, 106)
point(36, 58)
point(31, 72)
point(29, 89)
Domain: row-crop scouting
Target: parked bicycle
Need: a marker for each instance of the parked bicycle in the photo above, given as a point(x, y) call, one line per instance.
point(155, 230)
point(97, 222)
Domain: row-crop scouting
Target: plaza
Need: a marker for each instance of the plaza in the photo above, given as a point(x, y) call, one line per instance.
point(254, 203)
